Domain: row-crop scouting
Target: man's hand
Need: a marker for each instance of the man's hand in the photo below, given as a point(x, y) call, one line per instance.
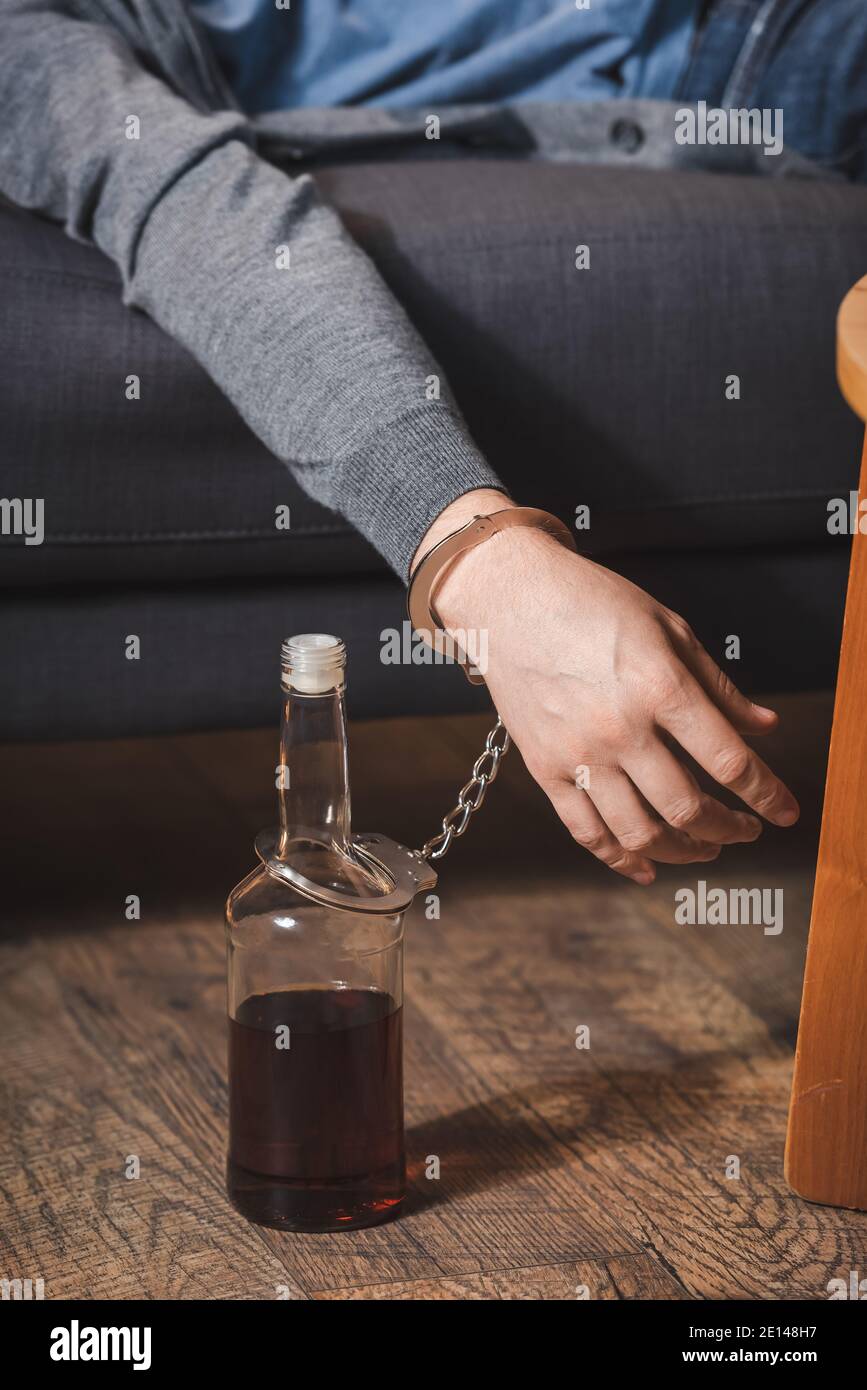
point(603, 690)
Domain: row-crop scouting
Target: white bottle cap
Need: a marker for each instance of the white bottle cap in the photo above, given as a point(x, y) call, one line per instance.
point(313, 663)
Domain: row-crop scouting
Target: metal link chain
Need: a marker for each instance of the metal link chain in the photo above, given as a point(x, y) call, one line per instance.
point(471, 795)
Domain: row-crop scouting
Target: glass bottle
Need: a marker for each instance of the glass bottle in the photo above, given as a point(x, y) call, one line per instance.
point(315, 973)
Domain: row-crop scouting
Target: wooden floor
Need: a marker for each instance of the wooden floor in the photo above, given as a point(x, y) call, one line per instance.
point(560, 1168)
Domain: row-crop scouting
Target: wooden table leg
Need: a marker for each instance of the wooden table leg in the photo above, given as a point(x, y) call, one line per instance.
point(826, 1147)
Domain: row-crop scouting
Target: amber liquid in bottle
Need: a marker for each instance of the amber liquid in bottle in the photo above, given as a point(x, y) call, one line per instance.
point(316, 1108)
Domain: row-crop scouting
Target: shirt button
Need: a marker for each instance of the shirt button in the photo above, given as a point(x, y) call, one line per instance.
point(627, 136)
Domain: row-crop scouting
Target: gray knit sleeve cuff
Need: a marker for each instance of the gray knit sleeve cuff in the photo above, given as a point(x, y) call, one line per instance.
point(393, 487)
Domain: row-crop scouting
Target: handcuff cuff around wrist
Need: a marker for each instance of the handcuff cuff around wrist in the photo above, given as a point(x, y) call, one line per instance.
point(432, 568)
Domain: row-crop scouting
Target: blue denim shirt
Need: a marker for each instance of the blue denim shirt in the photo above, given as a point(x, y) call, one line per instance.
point(392, 53)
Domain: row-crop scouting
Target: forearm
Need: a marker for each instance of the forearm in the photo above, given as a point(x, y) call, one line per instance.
point(319, 358)
point(311, 347)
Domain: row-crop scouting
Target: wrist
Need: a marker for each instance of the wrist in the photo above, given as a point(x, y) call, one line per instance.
point(489, 579)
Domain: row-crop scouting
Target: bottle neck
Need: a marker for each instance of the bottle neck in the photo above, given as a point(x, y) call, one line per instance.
point(313, 776)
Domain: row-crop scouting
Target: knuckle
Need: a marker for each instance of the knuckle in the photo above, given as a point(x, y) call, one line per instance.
point(620, 862)
point(731, 765)
point(613, 728)
point(685, 811)
point(639, 839)
point(596, 841)
point(725, 688)
point(766, 800)
point(682, 628)
point(541, 769)
point(666, 686)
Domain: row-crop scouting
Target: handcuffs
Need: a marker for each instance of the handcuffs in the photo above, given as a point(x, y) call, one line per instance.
point(431, 569)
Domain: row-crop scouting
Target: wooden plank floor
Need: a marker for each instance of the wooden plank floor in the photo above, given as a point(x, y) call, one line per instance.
point(561, 1169)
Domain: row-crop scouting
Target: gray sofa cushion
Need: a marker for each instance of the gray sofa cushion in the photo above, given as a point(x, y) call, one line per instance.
point(210, 652)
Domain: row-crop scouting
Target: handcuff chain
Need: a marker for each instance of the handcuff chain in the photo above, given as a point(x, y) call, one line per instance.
point(471, 794)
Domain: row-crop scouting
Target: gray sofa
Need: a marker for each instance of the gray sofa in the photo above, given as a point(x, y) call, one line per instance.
point(602, 387)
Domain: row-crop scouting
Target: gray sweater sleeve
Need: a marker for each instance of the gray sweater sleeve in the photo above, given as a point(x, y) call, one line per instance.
point(317, 356)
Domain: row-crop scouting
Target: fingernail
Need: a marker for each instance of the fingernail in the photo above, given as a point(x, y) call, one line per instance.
point(753, 825)
point(789, 816)
point(764, 711)
point(645, 878)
